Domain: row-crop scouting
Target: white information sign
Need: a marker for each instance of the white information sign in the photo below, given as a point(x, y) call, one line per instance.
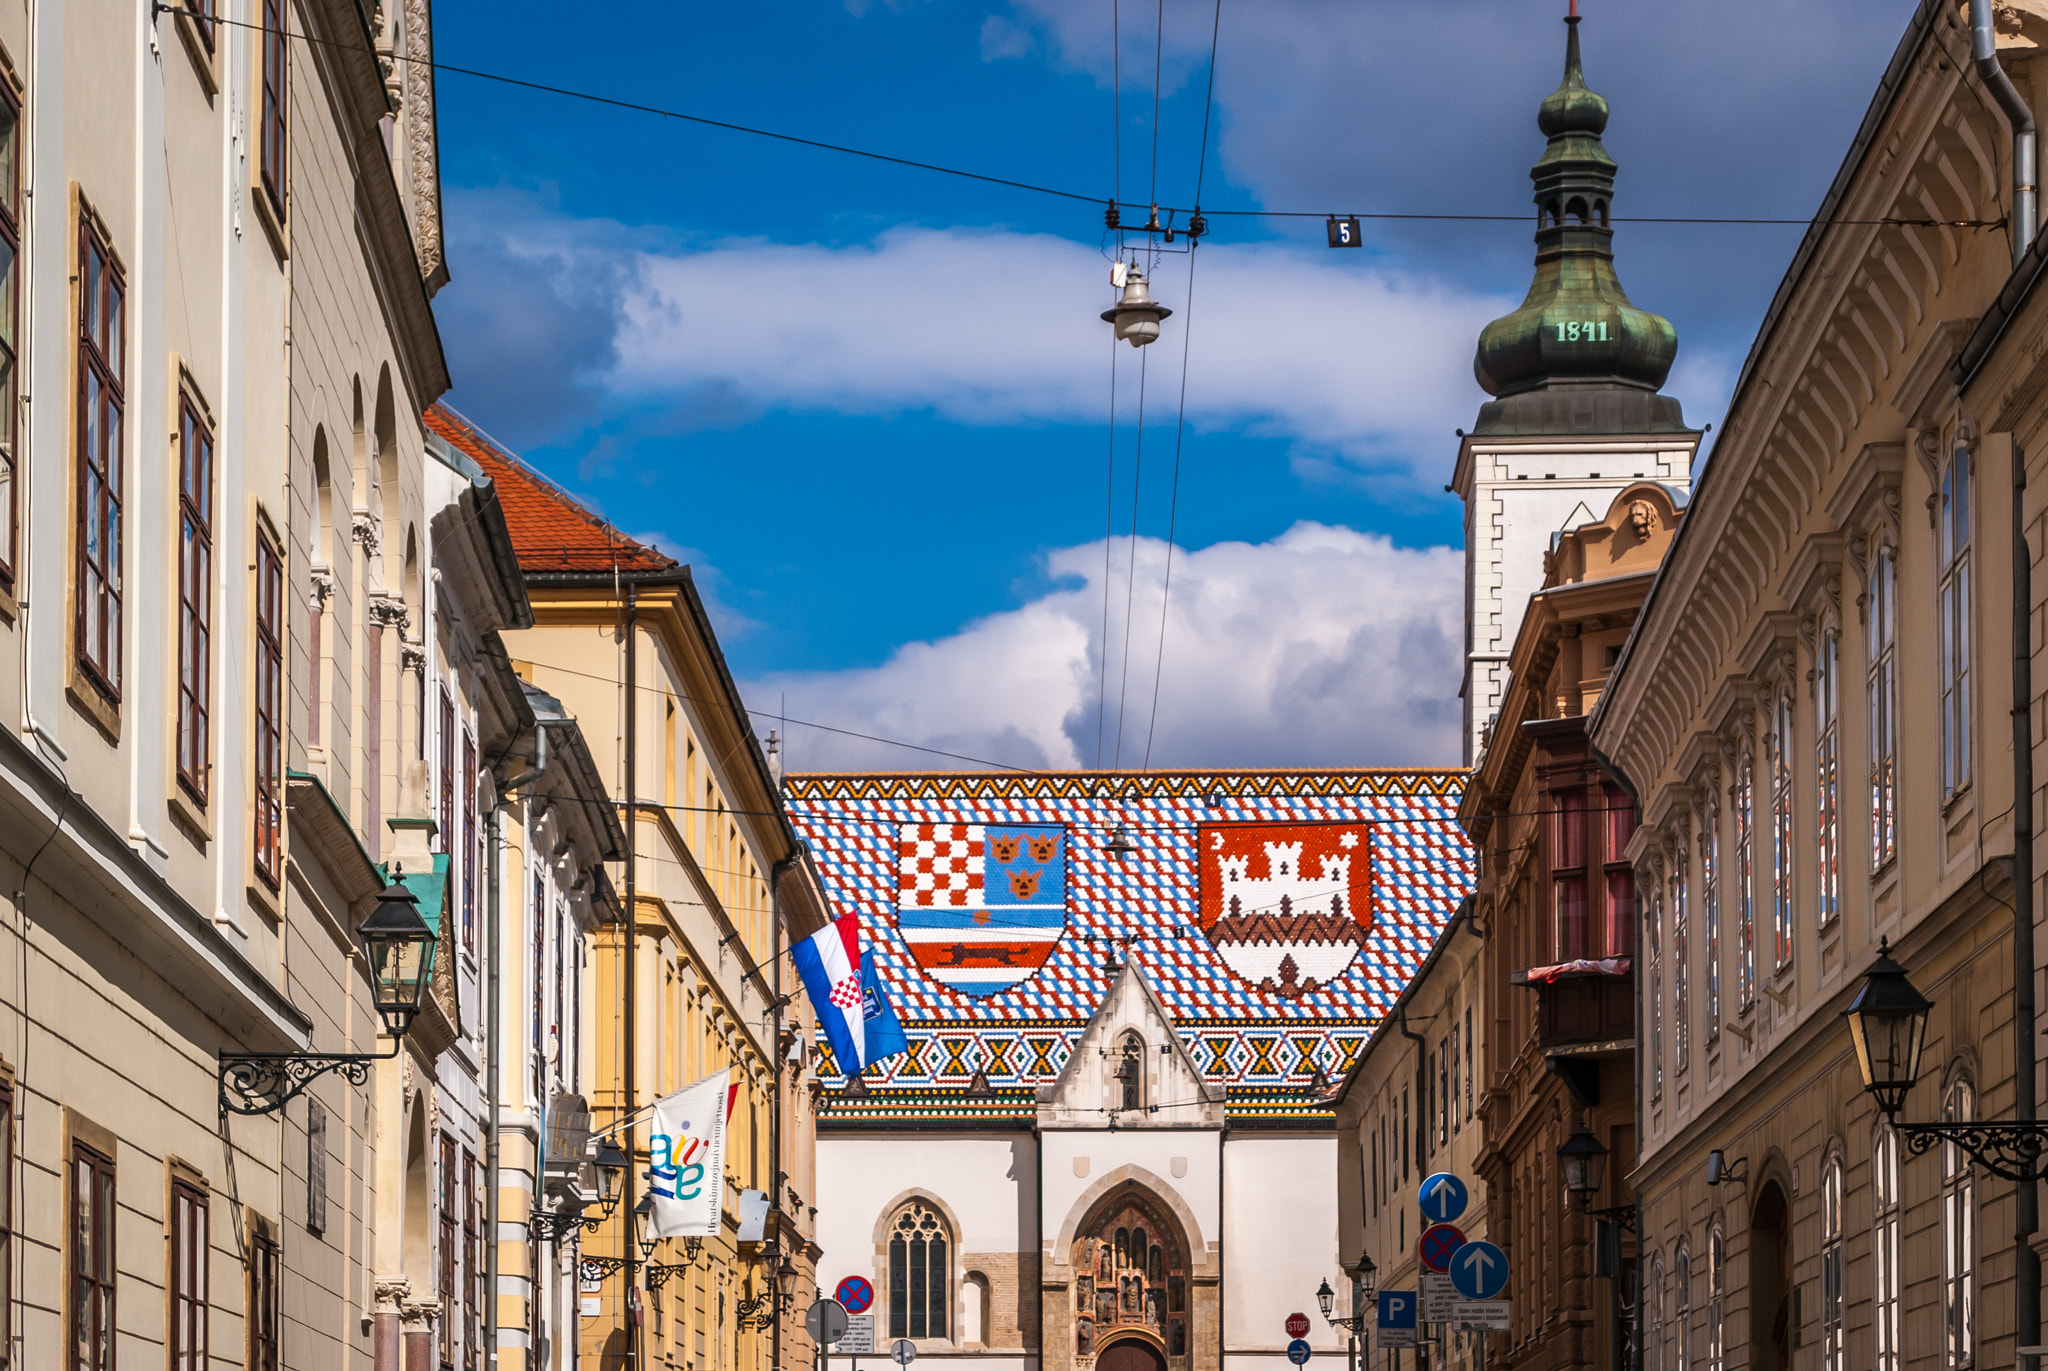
point(859, 1336)
point(1438, 1295)
point(1397, 1337)
point(1479, 1316)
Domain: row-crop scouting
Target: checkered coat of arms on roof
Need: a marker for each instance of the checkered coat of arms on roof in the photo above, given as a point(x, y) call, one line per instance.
point(981, 906)
point(1286, 906)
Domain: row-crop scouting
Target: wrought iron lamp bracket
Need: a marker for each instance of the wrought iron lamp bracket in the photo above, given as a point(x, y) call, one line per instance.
point(597, 1268)
point(659, 1272)
point(2010, 1150)
point(1623, 1214)
point(265, 1082)
point(549, 1226)
point(1352, 1325)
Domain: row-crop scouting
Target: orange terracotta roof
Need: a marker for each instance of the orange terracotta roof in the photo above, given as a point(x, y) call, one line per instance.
point(552, 531)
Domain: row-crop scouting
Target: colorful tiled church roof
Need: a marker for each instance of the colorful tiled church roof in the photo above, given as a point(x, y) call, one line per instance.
point(552, 531)
point(998, 908)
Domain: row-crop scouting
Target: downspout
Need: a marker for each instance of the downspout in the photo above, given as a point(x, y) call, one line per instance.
point(1421, 1118)
point(1984, 51)
point(777, 1175)
point(630, 1296)
point(494, 930)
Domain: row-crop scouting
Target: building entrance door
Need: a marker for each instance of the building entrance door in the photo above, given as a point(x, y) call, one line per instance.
point(1130, 1354)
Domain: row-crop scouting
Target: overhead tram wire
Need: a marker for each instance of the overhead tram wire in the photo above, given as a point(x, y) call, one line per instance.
point(1116, 153)
point(1187, 327)
point(939, 168)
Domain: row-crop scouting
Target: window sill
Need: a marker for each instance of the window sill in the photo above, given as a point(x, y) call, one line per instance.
point(94, 703)
point(204, 59)
point(274, 228)
point(190, 815)
point(1956, 797)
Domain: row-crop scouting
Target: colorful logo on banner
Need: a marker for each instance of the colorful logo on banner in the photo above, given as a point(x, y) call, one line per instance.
point(981, 905)
point(1286, 906)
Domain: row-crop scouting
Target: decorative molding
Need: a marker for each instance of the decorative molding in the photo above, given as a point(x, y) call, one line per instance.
point(362, 526)
point(391, 1293)
point(388, 611)
point(323, 587)
point(412, 657)
point(421, 146)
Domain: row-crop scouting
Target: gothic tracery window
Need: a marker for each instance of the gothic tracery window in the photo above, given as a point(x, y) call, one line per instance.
point(919, 1273)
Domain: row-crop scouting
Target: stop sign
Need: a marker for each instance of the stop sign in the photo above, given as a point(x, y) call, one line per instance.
point(1297, 1325)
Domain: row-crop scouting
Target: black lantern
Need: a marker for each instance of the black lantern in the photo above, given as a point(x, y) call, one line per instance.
point(1888, 1027)
point(1584, 1161)
point(1365, 1282)
point(399, 946)
point(1326, 1298)
point(611, 1174)
point(785, 1277)
point(643, 1226)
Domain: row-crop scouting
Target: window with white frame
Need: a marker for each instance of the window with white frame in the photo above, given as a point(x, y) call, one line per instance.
point(1882, 688)
point(1745, 882)
point(1953, 598)
point(1885, 1245)
point(1781, 830)
point(1653, 1343)
point(1710, 910)
point(1681, 1310)
point(1656, 960)
point(1958, 1234)
point(1833, 1351)
point(919, 1273)
point(1827, 765)
point(1681, 961)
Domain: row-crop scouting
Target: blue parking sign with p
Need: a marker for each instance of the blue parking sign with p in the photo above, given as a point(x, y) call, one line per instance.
point(1397, 1308)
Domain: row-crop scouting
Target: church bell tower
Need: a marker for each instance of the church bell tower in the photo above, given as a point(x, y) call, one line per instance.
point(1576, 413)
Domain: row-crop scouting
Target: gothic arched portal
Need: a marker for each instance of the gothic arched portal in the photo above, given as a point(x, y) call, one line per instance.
point(1130, 1280)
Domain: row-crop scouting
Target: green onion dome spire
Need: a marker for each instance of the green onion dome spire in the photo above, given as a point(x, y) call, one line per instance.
point(1576, 330)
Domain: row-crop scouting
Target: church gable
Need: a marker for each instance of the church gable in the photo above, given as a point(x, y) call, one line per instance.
point(1130, 1069)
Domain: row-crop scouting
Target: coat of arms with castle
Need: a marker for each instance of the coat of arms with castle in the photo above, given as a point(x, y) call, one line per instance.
point(1286, 905)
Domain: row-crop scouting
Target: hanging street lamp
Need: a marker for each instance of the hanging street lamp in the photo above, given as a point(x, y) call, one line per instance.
point(610, 1164)
point(398, 947)
point(1137, 315)
point(1888, 1027)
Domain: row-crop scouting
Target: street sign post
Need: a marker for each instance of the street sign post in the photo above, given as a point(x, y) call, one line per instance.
point(1438, 1295)
point(1297, 1352)
point(903, 1351)
point(1480, 1316)
point(1443, 1198)
point(1396, 1324)
point(859, 1338)
point(1297, 1325)
point(1479, 1270)
point(1439, 1242)
point(855, 1294)
point(825, 1321)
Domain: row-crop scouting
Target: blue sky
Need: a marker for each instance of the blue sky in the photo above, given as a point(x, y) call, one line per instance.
point(869, 403)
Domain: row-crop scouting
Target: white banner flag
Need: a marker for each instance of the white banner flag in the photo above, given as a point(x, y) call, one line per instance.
point(688, 1150)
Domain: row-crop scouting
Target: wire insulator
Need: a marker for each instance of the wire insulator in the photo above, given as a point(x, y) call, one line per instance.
point(1197, 226)
point(1111, 219)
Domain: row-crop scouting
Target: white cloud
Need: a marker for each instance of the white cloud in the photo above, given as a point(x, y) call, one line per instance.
point(998, 327)
point(1324, 646)
point(1000, 39)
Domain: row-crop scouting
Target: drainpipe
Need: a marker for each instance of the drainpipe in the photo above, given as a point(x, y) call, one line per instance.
point(629, 1296)
point(1421, 1122)
point(1984, 50)
point(494, 963)
point(2026, 1215)
point(778, 1178)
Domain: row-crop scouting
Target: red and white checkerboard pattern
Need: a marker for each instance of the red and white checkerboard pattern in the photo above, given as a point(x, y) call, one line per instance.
point(940, 867)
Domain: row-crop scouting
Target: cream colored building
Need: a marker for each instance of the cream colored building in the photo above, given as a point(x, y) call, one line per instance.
point(1814, 711)
point(719, 888)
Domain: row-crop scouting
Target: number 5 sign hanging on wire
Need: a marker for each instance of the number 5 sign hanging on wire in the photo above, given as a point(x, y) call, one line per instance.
point(1344, 232)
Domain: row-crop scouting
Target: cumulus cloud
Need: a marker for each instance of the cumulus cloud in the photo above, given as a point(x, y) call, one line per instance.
point(1002, 39)
point(1323, 646)
point(986, 326)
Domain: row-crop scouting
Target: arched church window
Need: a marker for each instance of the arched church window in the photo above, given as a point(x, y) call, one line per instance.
point(1550, 214)
point(1575, 211)
point(919, 1273)
point(1600, 212)
point(1130, 1071)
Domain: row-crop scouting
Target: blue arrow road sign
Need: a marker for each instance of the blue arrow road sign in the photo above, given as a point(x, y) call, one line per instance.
point(1297, 1352)
point(1479, 1270)
point(1443, 1197)
point(1397, 1309)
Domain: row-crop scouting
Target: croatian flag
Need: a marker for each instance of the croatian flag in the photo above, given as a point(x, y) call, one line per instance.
point(856, 1017)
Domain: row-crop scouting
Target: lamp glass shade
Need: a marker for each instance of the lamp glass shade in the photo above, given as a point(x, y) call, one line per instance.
point(1888, 1029)
point(1325, 1298)
point(611, 1175)
point(1583, 1159)
point(397, 944)
point(1364, 1284)
point(643, 1226)
point(785, 1277)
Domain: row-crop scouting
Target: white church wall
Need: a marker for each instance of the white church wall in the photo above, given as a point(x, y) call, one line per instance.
point(1177, 1162)
point(1280, 1243)
point(985, 1187)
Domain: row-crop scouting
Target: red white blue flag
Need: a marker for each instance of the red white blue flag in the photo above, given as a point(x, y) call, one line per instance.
point(858, 1020)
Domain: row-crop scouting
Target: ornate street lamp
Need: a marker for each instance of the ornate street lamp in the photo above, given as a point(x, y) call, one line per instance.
point(1888, 1026)
point(1583, 1159)
point(550, 1226)
point(397, 944)
point(1364, 1287)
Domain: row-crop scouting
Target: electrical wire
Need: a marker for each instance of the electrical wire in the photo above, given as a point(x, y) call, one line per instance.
point(1131, 571)
point(1108, 539)
point(639, 107)
point(1172, 508)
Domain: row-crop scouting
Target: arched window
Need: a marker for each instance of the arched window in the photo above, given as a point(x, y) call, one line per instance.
point(1710, 910)
point(1600, 212)
point(1827, 760)
point(1958, 1233)
point(1745, 882)
point(1656, 978)
point(920, 1286)
point(1575, 211)
point(1681, 961)
point(1681, 1311)
point(1550, 214)
point(1130, 1071)
point(1883, 688)
point(1717, 1288)
point(1885, 1244)
point(1781, 830)
point(1833, 1352)
point(1953, 593)
point(1653, 1344)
